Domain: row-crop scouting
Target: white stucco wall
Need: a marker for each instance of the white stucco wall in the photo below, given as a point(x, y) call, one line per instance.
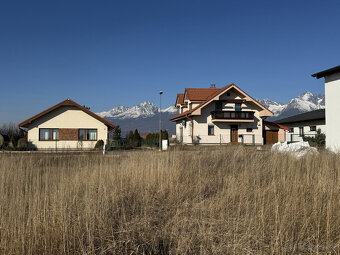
point(66, 117)
point(332, 95)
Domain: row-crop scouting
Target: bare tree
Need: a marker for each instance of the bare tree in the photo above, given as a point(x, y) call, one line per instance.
point(9, 129)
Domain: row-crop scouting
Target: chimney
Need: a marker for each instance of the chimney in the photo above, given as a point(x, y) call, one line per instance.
point(212, 85)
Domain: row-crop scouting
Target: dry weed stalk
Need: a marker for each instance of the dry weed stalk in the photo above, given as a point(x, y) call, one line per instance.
point(206, 200)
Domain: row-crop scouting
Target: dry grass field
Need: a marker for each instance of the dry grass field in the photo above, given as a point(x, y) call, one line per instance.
point(205, 200)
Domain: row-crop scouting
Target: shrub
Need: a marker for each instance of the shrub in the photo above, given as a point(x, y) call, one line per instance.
point(22, 143)
point(318, 141)
point(99, 144)
point(2, 140)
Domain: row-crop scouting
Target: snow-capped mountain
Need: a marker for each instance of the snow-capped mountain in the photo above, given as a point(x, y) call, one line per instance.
point(143, 110)
point(145, 116)
point(303, 103)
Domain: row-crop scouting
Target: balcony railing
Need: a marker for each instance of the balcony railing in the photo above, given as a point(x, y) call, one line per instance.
point(232, 115)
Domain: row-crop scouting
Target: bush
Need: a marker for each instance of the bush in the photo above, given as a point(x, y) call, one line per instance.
point(99, 144)
point(318, 141)
point(22, 143)
point(2, 140)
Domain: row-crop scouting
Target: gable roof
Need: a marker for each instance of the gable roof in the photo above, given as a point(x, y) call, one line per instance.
point(213, 95)
point(307, 116)
point(67, 102)
point(273, 124)
point(329, 71)
point(199, 94)
point(180, 99)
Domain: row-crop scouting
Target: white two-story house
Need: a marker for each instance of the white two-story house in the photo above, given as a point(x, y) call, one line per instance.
point(222, 115)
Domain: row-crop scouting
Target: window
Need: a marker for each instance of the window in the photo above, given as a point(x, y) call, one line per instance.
point(228, 94)
point(218, 106)
point(249, 130)
point(211, 130)
point(291, 130)
point(312, 128)
point(87, 134)
point(237, 107)
point(301, 133)
point(48, 134)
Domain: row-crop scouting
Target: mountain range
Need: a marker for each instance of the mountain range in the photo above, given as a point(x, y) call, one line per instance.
point(303, 103)
point(145, 116)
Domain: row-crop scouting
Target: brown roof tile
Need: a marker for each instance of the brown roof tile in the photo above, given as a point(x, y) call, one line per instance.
point(212, 95)
point(180, 98)
point(194, 94)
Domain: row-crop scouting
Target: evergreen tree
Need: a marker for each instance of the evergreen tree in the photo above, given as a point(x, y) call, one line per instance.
point(117, 132)
point(129, 136)
point(137, 139)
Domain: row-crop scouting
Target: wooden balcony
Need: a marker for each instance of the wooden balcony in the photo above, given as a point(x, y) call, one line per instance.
point(232, 116)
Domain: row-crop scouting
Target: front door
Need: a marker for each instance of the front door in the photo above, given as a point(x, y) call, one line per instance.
point(234, 133)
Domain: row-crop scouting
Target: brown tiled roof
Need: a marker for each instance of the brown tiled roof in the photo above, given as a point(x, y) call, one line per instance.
point(180, 99)
point(212, 95)
point(276, 125)
point(194, 94)
point(67, 102)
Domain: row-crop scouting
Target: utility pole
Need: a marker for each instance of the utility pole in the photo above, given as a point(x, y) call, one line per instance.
point(160, 120)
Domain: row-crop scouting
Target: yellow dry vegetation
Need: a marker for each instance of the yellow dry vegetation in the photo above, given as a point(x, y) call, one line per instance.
point(202, 200)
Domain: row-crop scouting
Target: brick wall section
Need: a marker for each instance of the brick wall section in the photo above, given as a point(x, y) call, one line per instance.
point(68, 134)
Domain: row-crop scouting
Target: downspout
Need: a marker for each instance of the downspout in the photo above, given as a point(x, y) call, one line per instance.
point(192, 129)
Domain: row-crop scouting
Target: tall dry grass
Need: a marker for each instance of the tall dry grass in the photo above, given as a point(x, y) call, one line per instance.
point(225, 200)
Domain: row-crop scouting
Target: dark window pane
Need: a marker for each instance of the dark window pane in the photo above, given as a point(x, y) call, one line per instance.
point(44, 134)
point(81, 134)
point(210, 130)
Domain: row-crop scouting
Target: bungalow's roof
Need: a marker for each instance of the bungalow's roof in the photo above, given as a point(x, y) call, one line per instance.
point(213, 93)
point(67, 102)
point(307, 116)
point(199, 94)
point(324, 73)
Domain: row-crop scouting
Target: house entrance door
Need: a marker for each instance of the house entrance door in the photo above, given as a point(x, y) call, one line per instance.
point(234, 133)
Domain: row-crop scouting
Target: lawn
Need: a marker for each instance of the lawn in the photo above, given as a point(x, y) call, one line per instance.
point(205, 200)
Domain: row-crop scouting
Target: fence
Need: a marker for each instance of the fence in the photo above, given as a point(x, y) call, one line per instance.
point(125, 144)
point(293, 138)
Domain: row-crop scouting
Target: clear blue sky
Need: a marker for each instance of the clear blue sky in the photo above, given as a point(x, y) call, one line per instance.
point(106, 53)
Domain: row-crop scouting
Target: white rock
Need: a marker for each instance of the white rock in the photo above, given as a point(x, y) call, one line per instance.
point(298, 149)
